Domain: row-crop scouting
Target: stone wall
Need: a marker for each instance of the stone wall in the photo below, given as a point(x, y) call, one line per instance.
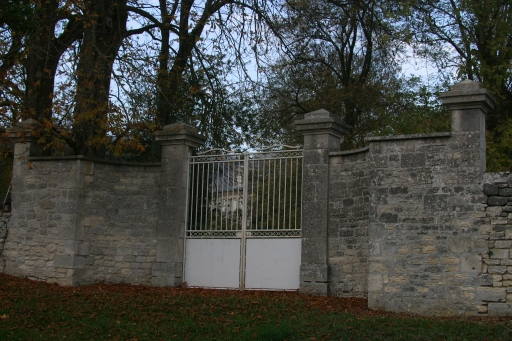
point(408, 224)
point(119, 223)
point(77, 220)
point(44, 196)
point(496, 296)
point(5, 218)
point(349, 203)
point(426, 235)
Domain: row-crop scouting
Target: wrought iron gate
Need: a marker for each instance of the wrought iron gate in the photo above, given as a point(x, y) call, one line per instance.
point(243, 221)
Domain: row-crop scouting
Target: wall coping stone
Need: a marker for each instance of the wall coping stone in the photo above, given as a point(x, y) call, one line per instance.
point(350, 152)
point(407, 137)
point(85, 158)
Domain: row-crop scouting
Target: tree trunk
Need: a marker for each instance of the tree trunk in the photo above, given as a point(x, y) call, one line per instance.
point(103, 35)
point(43, 53)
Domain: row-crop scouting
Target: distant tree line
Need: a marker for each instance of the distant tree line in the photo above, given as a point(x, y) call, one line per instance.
point(101, 76)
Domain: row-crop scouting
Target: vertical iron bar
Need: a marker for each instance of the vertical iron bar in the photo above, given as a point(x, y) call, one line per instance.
point(274, 161)
point(194, 183)
point(187, 193)
point(202, 198)
point(257, 193)
point(301, 180)
point(234, 203)
point(216, 194)
point(285, 193)
point(291, 194)
point(296, 192)
point(263, 194)
point(279, 196)
point(208, 225)
point(268, 194)
point(244, 219)
point(186, 218)
point(251, 166)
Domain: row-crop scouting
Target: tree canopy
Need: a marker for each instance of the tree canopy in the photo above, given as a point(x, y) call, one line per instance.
point(101, 76)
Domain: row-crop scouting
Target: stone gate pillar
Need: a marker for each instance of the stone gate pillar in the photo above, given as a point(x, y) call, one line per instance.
point(177, 141)
point(322, 133)
point(469, 102)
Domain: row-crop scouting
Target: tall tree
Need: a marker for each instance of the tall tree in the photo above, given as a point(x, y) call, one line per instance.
point(104, 32)
point(39, 32)
point(341, 55)
point(473, 38)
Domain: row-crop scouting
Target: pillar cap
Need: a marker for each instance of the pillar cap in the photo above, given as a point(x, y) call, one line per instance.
point(22, 131)
point(468, 94)
point(322, 122)
point(180, 133)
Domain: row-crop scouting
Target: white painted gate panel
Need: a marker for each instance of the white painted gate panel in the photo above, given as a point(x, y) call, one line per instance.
point(272, 263)
point(212, 263)
point(243, 220)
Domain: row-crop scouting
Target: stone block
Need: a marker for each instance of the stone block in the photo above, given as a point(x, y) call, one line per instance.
point(489, 261)
point(435, 202)
point(503, 244)
point(314, 272)
point(497, 269)
point(316, 156)
point(162, 281)
point(388, 217)
point(375, 283)
point(412, 160)
point(314, 288)
point(491, 294)
point(70, 247)
point(165, 250)
point(459, 244)
point(483, 279)
point(398, 190)
point(314, 250)
point(471, 264)
point(491, 189)
point(496, 278)
point(499, 221)
point(497, 201)
point(69, 261)
point(508, 233)
point(499, 253)
point(482, 309)
point(505, 192)
point(500, 309)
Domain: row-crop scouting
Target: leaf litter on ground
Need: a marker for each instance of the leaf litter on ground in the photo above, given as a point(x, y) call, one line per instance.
point(40, 311)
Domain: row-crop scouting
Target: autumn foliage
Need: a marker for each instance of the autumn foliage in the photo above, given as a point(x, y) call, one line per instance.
point(31, 310)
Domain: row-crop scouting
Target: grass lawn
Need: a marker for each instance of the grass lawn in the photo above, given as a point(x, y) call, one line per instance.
point(31, 310)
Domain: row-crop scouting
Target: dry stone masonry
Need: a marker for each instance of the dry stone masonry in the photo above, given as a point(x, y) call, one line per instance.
point(409, 224)
point(77, 220)
point(4, 220)
point(497, 295)
point(412, 223)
